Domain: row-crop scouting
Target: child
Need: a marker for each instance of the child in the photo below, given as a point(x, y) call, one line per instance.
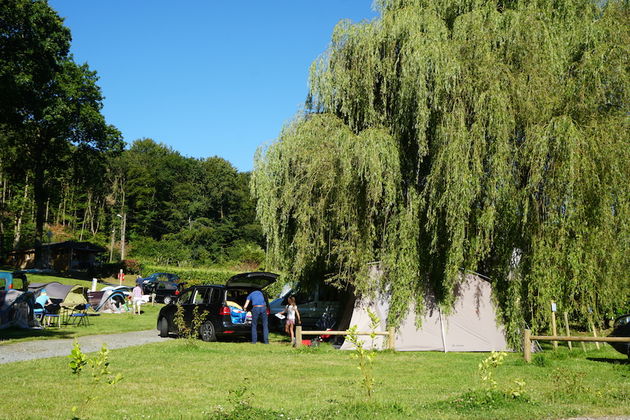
point(291, 310)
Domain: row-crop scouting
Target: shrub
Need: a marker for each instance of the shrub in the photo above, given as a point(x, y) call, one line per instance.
point(131, 266)
point(194, 276)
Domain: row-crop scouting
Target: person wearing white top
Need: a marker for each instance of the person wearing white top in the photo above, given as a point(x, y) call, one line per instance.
point(291, 310)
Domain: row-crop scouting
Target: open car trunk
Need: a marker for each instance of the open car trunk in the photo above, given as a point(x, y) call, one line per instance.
point(253, 280)
point(239, 287)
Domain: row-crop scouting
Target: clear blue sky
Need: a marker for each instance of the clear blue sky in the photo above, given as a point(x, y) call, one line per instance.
point(204, 77)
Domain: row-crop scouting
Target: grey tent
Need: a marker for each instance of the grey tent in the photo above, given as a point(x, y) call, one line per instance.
point(471, 325)
point(62, 294)
point(16, 309)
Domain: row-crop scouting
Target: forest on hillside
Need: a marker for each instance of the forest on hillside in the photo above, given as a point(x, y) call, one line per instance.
point(66, 174)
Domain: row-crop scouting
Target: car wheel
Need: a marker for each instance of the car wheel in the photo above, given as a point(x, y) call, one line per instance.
point(167, 300)
point(163, 327)
point(207, 332)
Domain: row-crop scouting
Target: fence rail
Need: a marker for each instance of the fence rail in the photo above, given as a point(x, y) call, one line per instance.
point(528, 338)
point(390, 334)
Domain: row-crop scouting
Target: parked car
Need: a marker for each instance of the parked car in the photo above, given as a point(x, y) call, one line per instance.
point(621, 328)
point(16, 280)
point(319, 307)
point(221, 306)
point(165, 291)
point(174, 278)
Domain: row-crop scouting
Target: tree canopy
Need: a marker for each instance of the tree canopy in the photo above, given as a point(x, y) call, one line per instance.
point(50, 106)
point(456, 135)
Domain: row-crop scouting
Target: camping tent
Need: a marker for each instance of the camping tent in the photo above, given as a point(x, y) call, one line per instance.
point(63, 294)
point(109, 300)
point(471, 325)
point(16, 309)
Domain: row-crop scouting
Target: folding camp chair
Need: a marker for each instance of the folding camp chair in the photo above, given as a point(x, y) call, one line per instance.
point(51, 316)
point(79, 315)
point(39, 312)
point(45, 316)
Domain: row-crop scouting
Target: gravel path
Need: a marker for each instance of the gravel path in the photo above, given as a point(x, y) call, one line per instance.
point(41, 349)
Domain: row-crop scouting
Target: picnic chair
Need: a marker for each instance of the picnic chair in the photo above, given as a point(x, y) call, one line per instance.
point(78, 315)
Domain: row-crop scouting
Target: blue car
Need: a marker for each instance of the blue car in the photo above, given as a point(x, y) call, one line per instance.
point(155, 277)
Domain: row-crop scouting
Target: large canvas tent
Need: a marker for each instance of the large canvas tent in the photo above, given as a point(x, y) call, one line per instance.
point(62, 294)
point(471, 325)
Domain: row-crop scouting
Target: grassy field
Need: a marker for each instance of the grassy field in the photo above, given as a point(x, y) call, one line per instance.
point(174, 380)
point(235, 380)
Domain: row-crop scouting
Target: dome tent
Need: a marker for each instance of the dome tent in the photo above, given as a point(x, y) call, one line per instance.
point(62, 294)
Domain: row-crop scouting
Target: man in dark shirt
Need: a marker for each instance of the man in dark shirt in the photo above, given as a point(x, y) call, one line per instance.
point(259, 309)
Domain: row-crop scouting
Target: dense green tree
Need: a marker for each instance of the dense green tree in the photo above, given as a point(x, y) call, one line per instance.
point(202, 205)
point(51, 106)
point(463, 135)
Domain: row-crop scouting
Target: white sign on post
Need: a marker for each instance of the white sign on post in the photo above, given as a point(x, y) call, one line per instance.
point(553, 307)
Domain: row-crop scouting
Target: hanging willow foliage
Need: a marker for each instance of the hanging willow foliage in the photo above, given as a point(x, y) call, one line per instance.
point(451, 135)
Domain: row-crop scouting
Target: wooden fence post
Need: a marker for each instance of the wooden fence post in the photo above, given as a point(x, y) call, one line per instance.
point(298, 336)
point(566, 326)
point(527, 346)
point(554, 331)
point(391, 338)
point(594, 333)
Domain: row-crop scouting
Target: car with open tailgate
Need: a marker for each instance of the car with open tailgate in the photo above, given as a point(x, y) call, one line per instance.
point(221, 306)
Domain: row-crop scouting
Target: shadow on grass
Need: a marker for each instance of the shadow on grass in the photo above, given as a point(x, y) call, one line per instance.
point(16, 333)
point(610, 360)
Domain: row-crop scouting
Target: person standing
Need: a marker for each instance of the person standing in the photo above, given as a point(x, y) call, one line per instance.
point(259, 310)
point(292, 311)
point(137, 299)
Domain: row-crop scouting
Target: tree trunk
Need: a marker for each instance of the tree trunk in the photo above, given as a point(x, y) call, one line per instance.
point(2, 204)
point(86, 214)
point(40, 196)
point(18, 222)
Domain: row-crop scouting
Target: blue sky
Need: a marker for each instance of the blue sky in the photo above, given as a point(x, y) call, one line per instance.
point(204, 77)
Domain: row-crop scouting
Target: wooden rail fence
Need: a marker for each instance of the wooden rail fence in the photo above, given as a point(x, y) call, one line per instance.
point(528, 338)
point(390, 334)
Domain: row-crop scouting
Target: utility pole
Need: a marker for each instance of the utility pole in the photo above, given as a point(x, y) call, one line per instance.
point(123, 226)
point(122, 236)
point(111, 245)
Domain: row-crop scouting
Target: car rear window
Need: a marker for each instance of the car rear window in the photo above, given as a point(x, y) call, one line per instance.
point(214, 295)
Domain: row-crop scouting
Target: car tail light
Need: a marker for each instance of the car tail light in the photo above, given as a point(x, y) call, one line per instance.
point(225, 310)
point(176, 292)
point(228, 332)
point(11, 286)
point(268, 311)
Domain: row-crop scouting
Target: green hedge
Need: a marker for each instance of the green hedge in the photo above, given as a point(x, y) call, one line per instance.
point(193, 276)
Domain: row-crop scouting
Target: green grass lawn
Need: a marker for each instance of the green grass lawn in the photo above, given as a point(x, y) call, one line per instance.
point(240, 381)
point(173, 380)
point(102, 324)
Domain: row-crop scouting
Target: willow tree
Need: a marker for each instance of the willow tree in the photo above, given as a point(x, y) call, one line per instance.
point(456, 135)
